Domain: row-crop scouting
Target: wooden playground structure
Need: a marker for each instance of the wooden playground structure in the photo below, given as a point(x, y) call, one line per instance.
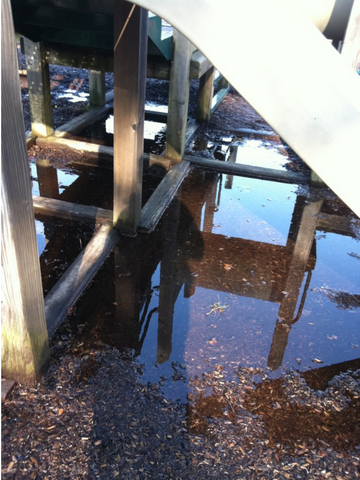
point(136, 47)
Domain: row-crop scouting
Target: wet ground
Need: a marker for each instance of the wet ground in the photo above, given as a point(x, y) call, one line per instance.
point(224, 345)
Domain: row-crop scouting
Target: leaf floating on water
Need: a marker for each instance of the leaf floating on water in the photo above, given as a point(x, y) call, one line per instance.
point(217, 307)
point(317, 360)
point(298, 360)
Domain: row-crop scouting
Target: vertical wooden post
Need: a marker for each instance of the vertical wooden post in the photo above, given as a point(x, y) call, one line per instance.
point(206, 90)
point(351, 45)
point(39, 89)
point(178, 96)
point(97, 88)
point(24, 338)
point(130, 54)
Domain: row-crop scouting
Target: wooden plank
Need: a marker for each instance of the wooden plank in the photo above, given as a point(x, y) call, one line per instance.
point(351, 46)
point(97, 88)
point(82, 121)
point(178, 97)
point(160, 199)
point(88, 149)
point(71, 211)
point(206, 90)
point(218, 98)
point(6, 388)
point(250, 131)
point(24, 338)
point(248, 170)
point(130, 54)
point(199, 65)
point(39, 89)
point(78, 275)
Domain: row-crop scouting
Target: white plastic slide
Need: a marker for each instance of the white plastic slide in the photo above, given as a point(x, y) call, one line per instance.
point(272, 53)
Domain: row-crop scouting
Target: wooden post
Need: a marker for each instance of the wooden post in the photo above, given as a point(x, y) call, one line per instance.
point(97, 88)
point(130, 54)
point(206, 90)
point(24, 338)
point(351, 46)
point(178, 96)
point(39, 89)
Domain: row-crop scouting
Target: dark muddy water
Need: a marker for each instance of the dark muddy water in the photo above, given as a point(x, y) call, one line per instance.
point(240, 272)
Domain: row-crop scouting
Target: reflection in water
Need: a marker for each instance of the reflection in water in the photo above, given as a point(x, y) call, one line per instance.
point(156, 294)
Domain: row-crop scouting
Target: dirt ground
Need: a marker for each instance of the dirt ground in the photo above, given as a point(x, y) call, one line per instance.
point(91, 415)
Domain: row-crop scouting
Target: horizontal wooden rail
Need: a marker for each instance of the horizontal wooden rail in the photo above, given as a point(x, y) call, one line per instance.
point(71, 285)
point(71, 211)
point(248, 170)
point(160, 199)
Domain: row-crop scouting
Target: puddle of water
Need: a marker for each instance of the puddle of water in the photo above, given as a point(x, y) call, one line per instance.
point(60, 241)
point(233, 277)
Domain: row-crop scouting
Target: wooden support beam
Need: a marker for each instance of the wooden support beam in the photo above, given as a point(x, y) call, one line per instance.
point(90, 150)
point(218, 98)
point(178, 97)
point(97, 88)
point(82, 121)
point(71, 211)
point(24, 338)
point(160, 199)
point(250, 131)
point(248, 170)
point(206, 90)
point(78, 275)
point(156, 66)
point(39, 89)
point(130, 52)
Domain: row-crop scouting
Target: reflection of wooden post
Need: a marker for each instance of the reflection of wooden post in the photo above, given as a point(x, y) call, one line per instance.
point(24, 338)
point(127, 296)
point(97, 88)
point(169, 289)
point(297, 269)
point(178, 97)
point(129, 108)
point(206, 90)
point(47, 179)
point(39, 89)
point(210, 206)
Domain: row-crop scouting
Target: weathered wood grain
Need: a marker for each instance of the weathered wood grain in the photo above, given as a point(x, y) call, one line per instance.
point(97, 88)
point(78, 275)
point(24, 338)
point(39, 89)
point(248, 170)
point(79, 123)
point(71, 211)
point(160, 199)
point(178, 97)
point(206, 90)
point(129, 113)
